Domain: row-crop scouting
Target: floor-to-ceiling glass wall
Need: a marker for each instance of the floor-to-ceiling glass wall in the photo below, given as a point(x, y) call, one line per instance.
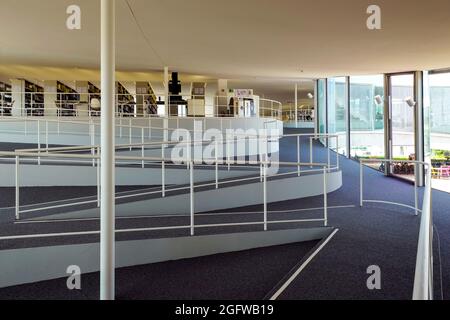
point(402, 124)
point(437, 87)
point(367, 117)
point(321, 107)
point(337, 112)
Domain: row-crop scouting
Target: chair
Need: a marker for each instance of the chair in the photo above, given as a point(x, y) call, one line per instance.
point(435, 172)
point(95, 104)
point(445, 171)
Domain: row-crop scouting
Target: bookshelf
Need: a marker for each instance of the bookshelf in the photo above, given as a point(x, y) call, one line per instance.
point(125, 101)
point(34, 99)
point(6, 101)
point(66, 99)
point(146, 100)
point(94, 92)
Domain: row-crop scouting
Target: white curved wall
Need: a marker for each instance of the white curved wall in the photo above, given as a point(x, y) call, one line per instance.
point(128, 130)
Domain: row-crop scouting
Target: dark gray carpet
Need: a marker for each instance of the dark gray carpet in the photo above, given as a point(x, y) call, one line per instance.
point(244, 275)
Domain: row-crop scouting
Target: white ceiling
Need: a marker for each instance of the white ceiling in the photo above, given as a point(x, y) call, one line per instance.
point(257, 41)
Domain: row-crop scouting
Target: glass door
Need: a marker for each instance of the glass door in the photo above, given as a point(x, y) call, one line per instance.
point(402, 129)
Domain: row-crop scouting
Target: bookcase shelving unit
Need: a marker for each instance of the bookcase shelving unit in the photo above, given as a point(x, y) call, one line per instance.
point(6, 101)
point(125, 101)
point(34, 99)
point(66, 99)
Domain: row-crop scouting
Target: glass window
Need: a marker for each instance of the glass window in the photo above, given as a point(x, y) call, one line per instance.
point(437, 89)
point(402, 117)
point(367, 116)
point(337, 109)
point(321, 106)
point(426, 117)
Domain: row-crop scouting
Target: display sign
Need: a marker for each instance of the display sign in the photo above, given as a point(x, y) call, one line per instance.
point(243, 93)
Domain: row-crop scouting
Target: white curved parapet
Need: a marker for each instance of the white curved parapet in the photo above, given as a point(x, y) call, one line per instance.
point(53, 131)
point(224, 198)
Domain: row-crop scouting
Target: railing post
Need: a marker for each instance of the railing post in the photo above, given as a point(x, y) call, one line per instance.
point(163, 172)
point(337, 154)
point(142, 147)
point(39, 140)
point(329, 153)
point(265, 195)
point(361, 181)
point(228, 152)
point(93, 142)
point(416, 196)
point(98, 178)
point(217, 164)
point(192, 197)
point(325, 197)
point(261, 170)
point(130, 131)
point(298, 155)
point(17, 189)
point(46, 134)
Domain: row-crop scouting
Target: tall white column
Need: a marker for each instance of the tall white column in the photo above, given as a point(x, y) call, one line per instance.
point(296, 105)
point(166, 90)
point(18, 96)
point(107, 212)
point(50, 97)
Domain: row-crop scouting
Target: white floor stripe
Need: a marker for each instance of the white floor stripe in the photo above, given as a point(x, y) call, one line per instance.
point(182, 215)
point(302, 267)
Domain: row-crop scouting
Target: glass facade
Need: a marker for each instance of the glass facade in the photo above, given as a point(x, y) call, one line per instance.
point(402, 117)
point(437, 86)
point(337, 112)
point(367, 116)
point(321, 106)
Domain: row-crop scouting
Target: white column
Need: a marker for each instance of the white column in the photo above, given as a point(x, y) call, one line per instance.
point(166, 91)
point(18, 96)
point(50, 97)
point(296, 105)
point(107, 212)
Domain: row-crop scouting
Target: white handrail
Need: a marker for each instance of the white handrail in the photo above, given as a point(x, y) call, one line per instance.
point(423, 278)
point(128, 108)
point(264, 162)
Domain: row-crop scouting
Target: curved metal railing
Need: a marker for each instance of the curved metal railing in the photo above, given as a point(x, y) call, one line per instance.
point(262, 163)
